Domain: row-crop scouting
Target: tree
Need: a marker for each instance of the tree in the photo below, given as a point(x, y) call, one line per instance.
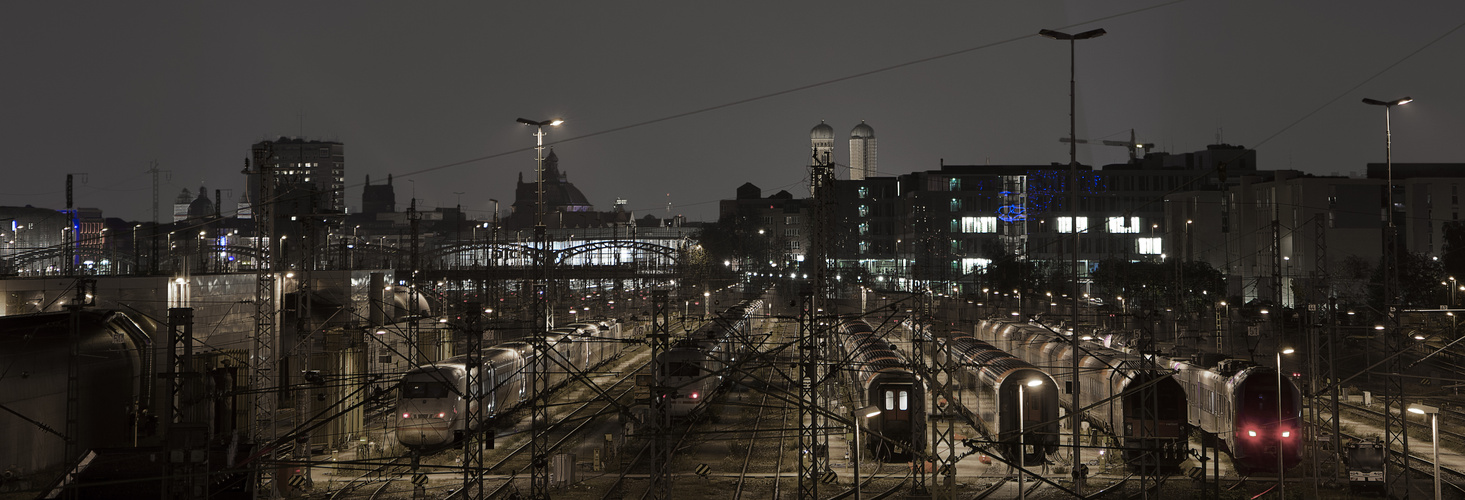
point(735, 238)
point(1419, 283)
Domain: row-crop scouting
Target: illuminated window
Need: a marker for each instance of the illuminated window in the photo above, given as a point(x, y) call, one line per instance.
point(970, 265)
point(904, 400)
point(953, 185)
point(1124, 225)
point(864, 228)
point(864, 210)
point(890, 400)
point(956, 204)
point(1149, 246)
point(978, 224)
point(1065, 224)
point(864, 191)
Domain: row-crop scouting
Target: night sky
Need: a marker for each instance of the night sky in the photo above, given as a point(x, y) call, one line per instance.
point(684, 101)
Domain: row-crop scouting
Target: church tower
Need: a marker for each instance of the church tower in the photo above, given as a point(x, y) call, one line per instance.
point(862, 152)
point(821, 142)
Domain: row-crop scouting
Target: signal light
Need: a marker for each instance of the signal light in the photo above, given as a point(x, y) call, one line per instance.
point(406, 415)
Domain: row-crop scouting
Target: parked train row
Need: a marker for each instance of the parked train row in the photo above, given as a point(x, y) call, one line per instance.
point(1144, 409)
point(1019, 401)
point(434, 399)
point(1254, 410)
point(697, 367)
point(883, 378)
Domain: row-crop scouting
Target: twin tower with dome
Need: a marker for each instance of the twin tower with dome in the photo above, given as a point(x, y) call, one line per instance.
point(861, 148)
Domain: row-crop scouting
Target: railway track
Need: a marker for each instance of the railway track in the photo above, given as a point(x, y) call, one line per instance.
point(753, 440)
point(568, 426)
point(391, 472)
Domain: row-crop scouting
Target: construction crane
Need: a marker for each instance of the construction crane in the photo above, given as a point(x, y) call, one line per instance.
point(1133, 145)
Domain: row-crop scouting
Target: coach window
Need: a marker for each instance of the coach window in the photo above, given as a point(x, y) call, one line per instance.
point(889, 400)
point(904, 400)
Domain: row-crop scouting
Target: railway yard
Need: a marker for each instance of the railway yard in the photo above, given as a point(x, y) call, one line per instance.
point(941, 411)
point(743, 442)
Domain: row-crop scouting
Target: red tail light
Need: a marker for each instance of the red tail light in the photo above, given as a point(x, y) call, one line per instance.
point(406, 415)
point(442, 414)
point(694, 395)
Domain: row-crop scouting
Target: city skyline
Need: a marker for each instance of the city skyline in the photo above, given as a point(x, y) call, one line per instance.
point(694, 101)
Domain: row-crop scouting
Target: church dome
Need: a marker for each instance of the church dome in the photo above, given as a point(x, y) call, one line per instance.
point(201, 206)
point(862, 131)
point(822, 131)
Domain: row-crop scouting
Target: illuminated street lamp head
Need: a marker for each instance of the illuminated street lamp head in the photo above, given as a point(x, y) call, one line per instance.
point(541, 123)
point(1059, 35)
point(1419, 409)
point(1035, 382)
point(1395, 102)
point(869, 411)
point(1287, 350)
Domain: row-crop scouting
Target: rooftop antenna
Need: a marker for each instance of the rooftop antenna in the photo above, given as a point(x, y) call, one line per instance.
point(168, 175)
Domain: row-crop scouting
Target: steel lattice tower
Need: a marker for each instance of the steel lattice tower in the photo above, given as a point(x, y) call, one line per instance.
point(813, 339)
point(660, 340)
point(808, 395)
point(262, 375)
point(1321, 314)
point(943, 416)
point(1395, 435)
point(539, 333)
point(474, 441)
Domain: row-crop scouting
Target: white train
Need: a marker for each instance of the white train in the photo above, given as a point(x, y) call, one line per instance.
point(695, 368)
point(434, 399)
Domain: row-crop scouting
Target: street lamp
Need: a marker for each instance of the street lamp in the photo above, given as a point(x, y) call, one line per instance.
point(1281, 475)
point(1388, 147)
point(867, 412)
point(1434, 428)
point(1022, 429)
point(1073, 213)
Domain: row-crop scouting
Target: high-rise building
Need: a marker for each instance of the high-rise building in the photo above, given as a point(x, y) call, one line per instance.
point(861, 152)
point(307, 166)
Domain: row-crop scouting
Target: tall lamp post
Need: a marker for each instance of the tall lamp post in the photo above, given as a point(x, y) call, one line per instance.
point(867, 412)
point(1388, 147)
point(539, 479)
point(1281, 474)
point(1021, 430)
point(1434, 429)
point(1073, 211)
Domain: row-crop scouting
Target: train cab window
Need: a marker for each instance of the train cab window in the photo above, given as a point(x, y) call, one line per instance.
point(890, 400)
point(904, 400)
point(682, 369)
point(424, 390)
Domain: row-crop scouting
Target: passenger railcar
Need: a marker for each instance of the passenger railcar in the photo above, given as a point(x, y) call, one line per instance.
point(1143, 408)
point(883, 378)
point(434, 399)
point(694, 369)
point(1240, 402)
point(1018, 402)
